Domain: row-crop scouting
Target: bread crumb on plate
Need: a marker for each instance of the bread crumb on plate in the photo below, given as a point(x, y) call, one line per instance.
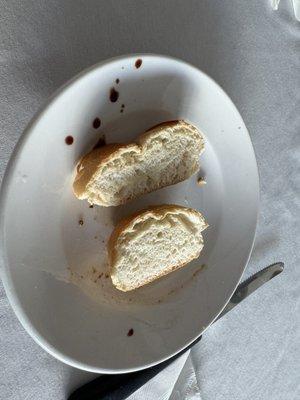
point(201, 181)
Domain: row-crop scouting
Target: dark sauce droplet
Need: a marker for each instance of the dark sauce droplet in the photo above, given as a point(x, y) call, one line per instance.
point(117, 80)
point(114, 95)
point(96, 123)
point(69, 140)
point(123, 105)
point(101, 142)
point(130, 332)
point(138, 63)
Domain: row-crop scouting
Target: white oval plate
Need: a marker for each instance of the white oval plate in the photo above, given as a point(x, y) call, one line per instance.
point(85, 323)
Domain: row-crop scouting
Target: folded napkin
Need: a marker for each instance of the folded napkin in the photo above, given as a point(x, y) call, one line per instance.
point(296, 5)
point(176, 382)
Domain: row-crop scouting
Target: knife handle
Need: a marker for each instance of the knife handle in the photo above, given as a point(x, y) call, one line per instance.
point(120, 387)
point(116, 387)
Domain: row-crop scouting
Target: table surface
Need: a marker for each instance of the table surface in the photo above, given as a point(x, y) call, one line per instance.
point(253, 53)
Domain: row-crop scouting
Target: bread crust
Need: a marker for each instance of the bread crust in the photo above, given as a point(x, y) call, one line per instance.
point(92, 161)
point(127, 223)
point(98, 158)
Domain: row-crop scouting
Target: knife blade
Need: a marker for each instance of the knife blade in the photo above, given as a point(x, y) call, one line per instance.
point(119, 387)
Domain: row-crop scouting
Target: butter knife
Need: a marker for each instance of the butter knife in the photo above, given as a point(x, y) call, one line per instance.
point(119, 387)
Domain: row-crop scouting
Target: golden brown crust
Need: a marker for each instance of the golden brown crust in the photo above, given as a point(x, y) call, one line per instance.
point(98, 157)
point(165, 124)
point(162, 126)
point(123, 225)
point(90, 163)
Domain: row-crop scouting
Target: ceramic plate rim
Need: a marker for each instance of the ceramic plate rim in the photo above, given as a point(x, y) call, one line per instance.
point(4, 267)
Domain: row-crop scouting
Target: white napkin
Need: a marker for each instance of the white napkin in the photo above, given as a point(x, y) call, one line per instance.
point(186, 386)
point(176, 382)
point(274, 4)
point(296, 5)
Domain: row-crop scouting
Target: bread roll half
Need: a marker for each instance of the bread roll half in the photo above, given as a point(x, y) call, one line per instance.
point(114, 174)
point(153, 243)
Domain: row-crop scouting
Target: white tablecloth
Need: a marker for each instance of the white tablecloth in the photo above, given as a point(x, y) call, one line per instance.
point(253, 52)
